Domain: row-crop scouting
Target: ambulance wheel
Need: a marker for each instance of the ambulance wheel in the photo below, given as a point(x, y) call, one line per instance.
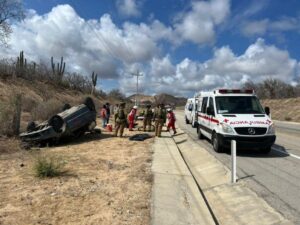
point(216, 143)
point(194, 124)
point(187, 121)
point(266, 150)
point(200, 135)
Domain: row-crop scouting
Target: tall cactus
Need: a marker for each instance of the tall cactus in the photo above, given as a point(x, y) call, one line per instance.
point(21, 64)
point(94, 80)
point(59, 70)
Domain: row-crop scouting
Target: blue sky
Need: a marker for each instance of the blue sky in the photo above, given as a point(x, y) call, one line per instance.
point(180, 46)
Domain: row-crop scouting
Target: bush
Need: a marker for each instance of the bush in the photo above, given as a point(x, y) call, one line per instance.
point(28, 104)
point(45, 110)
point(10, 113)
point(287, 118)
point(5, 118)
point(49, 166)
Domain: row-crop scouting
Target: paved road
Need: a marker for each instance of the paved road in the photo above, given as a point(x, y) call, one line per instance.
point(275, 177)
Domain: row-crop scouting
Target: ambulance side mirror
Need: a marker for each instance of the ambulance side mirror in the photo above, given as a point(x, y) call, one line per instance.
point(267, 110)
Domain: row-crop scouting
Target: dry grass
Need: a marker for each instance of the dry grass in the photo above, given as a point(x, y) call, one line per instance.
point(47, 109)
point(108, 182)
point(284, 109)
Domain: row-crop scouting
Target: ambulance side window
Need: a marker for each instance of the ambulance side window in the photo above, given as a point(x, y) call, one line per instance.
point(191, 107)
point(211, 105)
point(204, 104)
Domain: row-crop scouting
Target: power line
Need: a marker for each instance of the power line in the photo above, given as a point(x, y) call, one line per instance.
point(100, 37)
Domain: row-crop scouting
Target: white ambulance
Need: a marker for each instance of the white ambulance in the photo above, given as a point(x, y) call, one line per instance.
point(235, 114)
point(191, 111)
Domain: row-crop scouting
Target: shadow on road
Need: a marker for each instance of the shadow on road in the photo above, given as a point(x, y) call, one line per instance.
point(256, 153)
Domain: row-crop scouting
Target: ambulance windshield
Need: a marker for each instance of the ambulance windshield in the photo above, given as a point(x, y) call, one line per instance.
point(238, 105)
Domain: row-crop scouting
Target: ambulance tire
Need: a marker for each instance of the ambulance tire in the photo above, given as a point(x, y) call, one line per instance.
point(186, 120)
point(200, 135)
point(194, 124)
point(215, 140)
point(266, 150)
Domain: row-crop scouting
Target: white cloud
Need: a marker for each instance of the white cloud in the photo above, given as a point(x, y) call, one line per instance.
point(199, 24)
point(87, 45)
point(260, 27)
point(128, 8)
point(224, 69)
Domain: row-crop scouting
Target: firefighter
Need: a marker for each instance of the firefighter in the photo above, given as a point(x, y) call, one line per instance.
point(120, 119)
point(159, 118)
point(131, 117)
point(171, 120)
point(148, 115)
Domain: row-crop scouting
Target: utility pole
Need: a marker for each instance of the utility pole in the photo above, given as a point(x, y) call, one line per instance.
point(137, 74)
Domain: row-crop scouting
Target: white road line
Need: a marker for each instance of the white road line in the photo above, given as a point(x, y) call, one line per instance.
point(286, 153)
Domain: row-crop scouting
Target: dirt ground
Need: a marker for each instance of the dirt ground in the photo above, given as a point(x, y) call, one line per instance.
point(108, 181)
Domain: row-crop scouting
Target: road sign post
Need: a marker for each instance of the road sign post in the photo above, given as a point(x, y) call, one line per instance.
point(233, 161)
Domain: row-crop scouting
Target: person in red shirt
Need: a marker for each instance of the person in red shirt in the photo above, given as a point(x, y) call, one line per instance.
point(103, 115)
point(171, 120)
point(131, 117)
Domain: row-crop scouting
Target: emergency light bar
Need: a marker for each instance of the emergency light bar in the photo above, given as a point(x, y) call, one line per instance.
point(235, 91)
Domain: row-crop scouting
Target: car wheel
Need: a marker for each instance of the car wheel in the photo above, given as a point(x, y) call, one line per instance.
point(186, 120)
point(31, 126)
point(216, 143)
point(89, 103)
point(200, 135)
point(66, 107)
point(57, 123)
point(266, 150)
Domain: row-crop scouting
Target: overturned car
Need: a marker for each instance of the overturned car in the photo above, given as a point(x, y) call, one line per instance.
point(73, 121)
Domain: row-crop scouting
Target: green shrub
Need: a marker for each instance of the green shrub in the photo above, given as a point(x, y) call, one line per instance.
point(287, 118)
point(49, 166)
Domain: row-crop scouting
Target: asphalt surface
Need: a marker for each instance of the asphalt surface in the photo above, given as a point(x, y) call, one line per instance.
point(274, 177)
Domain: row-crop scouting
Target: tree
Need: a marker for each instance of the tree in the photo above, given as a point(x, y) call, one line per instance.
point(116, 94)
point(10, 10)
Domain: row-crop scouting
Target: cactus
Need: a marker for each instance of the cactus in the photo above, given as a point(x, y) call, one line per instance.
point(94, 80)
point(21, 64)
point(58, 72)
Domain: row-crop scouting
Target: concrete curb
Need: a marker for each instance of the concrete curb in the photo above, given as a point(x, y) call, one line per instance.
point(231, 203)
point(176, 199)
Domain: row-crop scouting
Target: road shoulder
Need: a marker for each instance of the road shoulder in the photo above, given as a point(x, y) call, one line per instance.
point(176, 198)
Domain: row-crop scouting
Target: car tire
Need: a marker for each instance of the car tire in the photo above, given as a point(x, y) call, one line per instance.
point(66, 107)
point(266, 150)
point(88, 101)
point(215, 140)
point(186, 120)
point(57, 123)
point(200, 135)
point(31, 126)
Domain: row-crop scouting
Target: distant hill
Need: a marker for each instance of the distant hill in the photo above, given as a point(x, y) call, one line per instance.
point(164, 98)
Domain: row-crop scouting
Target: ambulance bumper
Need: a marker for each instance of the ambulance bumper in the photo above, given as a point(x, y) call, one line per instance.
point(244, 142)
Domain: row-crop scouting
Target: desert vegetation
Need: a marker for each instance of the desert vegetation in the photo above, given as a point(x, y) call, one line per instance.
point(274, 89)
point(42, 90)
